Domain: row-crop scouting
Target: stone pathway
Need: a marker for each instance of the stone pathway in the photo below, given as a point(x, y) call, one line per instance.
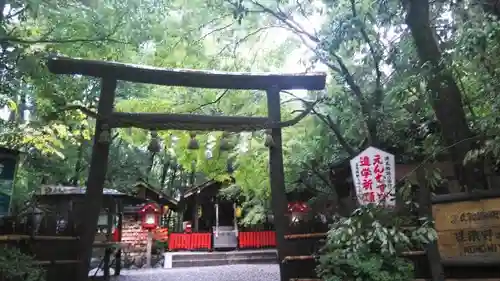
point(239, 272)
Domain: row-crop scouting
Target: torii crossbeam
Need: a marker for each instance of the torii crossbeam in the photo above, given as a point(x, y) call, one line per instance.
point(111, 72)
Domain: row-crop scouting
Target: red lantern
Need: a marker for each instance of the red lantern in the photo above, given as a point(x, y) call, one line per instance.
point(150, 216)
point(189, 228)
point(298, 207)
point(115, 235)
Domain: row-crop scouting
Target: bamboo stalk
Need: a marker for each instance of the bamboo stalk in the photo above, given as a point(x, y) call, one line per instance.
point(18, 237)
point(305, 235)
point(413, 253)
point(409, 227)
point(297, 258)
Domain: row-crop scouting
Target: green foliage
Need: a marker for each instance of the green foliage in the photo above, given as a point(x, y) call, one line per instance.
point(368, 245)
point(377, 91)
point(16, 266)
point(161, 33)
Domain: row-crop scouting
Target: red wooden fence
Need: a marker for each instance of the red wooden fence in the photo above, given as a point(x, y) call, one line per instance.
point(190, 241)
point(257, 239)
point(203, 241)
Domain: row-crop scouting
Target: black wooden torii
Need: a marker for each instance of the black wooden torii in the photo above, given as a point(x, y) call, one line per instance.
point(111, 72)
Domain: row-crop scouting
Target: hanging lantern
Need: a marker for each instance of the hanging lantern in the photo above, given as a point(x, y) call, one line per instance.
point(154, 144)
point(200, 211)
point(229, 166)
point(224, 142)
point(193, 143)
point(238, 212)
point(269, 141)
point(208, 154)
point(298, 207)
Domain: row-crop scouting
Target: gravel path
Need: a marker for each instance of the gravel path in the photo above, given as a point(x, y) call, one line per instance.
point(239, 272)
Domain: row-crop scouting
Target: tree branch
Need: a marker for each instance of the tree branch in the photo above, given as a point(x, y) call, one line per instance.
point(83, 109)
point(239, 41)
point(342, 69)
point(217, 100)
point(213, 31)
point(331, 124)
point(200, 27)
point(44, 38)
point(325, 180)
point(59, 41)
point(376, 58)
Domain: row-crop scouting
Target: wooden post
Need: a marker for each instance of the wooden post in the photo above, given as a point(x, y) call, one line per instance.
point(109, 238)
point(195, 213)
point(277, 176)
point(149, 248)
point(96, 177)
point(425, 210)
point(118, 257)
point(169, 218)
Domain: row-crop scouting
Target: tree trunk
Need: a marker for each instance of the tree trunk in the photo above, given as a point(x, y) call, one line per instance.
point(163, 178)
point(425, 210)
point(490, 6)
point(3, 3)
point(445, 96)
point(75, 181)
point(78, 166)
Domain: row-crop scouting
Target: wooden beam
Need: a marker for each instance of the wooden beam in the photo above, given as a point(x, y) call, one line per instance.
point(55, 262)
point(19, 237)
point(169, 121)
point(277, 179)
point(186, 77)
point(97, 174)
point(163, 121)
point(305, 236)
point(472, 195)
point(470, 261)
point(425, 211)
point(297, 258)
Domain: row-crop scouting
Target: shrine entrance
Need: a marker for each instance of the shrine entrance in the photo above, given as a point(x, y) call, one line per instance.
point(107, 119)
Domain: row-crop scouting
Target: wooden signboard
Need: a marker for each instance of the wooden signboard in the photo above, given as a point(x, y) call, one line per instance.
point(468, 228)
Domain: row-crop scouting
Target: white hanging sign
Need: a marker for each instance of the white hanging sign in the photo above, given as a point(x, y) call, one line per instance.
point(374, 176)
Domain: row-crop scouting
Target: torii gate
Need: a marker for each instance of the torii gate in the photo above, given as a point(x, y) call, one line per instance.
point(111, 72)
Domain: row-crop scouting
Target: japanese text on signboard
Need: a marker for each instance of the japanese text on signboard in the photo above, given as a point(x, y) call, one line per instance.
point(373, 175)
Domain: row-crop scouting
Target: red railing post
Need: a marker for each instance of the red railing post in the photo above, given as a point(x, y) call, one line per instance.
point(209, 240)
point(195, 243)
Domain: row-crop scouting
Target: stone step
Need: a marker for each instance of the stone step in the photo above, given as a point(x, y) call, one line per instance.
point(224, 258)
point(197, 256)
point(227, 261)
point(224, 255)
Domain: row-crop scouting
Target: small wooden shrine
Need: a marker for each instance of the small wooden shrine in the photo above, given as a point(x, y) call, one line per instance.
point(210, 222)
point(133, 234)
point(68, 203)
point(168, 204)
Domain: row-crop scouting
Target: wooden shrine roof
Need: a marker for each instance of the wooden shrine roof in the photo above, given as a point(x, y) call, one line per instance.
point(208, 79)
point(163, 198)
point(76, 191)
point(199, 188)
point(5, 150)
